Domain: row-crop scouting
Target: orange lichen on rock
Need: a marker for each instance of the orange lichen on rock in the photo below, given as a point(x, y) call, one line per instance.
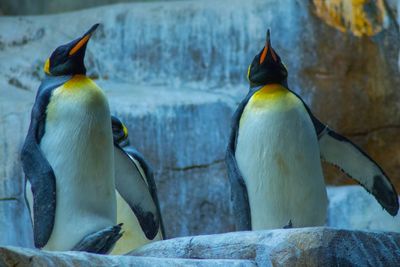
point(360, 17)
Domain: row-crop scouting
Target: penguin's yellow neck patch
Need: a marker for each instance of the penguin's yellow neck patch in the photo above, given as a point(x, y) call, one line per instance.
point(269, 100)
point(269, 92)
point(272, 97)
point(78, 81)
point(79, 92)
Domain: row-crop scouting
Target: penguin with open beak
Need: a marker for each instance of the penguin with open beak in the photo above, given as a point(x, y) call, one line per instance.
point(275, 150)
point(137, 201)
point(68, 158)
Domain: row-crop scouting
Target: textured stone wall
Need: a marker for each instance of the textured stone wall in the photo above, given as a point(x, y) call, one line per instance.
point(350, 81)
point(40, 7)
point(175, 73)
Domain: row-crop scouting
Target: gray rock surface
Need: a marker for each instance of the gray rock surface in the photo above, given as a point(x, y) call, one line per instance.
point(41, 7)
point(351, 207)
point(286, 247)
point(15, 226)
point(14, 256)
point(175, 72)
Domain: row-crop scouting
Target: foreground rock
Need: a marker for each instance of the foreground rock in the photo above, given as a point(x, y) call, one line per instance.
point(293, 247)
point(15, 256)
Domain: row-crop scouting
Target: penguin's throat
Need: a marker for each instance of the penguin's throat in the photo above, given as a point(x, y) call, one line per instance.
point(270, 92)
point(78, 81)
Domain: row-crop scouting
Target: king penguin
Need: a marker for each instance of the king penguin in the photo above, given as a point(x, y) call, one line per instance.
point(137, 202)
point(275, 150)
point(68, 158)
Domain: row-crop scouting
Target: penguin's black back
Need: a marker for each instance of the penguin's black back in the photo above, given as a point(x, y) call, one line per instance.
point(36, 167)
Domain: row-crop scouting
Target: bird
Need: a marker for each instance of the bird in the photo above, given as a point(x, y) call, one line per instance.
point(68, 157)
point(137, 201)
point(275, 151)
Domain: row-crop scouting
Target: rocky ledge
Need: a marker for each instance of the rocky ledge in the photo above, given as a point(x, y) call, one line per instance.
point(16, 256)
point(318, 246)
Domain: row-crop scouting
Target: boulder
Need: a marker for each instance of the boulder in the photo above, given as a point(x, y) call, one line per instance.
point(175, 72)
point(15, 256)
point(351, 207)
point(318, 246)
point(286, 247)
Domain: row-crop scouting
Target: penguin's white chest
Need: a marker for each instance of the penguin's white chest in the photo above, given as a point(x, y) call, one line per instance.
point(278, 155)
point(79, 147)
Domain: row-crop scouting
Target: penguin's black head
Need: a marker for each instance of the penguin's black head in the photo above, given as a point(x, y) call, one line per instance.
point(267, 67)
point(120, 132)
point(68, 59)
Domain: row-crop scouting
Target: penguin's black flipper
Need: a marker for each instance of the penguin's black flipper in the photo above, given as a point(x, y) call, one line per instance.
point(239, 196)
point(352, 160)
point(100, 242)
point(149, 177)
point(134, 190)
point(341, 152)
point(36, 167)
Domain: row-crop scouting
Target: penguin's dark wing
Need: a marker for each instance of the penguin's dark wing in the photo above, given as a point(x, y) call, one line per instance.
point(341, 152)
point(239, 196)
point(134, 190)
point(36, 167)
point(149, 177)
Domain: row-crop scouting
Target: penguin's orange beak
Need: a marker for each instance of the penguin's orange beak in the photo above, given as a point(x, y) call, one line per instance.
point(83, 40)
point(268, 48)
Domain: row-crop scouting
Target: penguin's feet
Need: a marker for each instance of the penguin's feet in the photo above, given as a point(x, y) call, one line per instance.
point(100, 242)
point(288, 225)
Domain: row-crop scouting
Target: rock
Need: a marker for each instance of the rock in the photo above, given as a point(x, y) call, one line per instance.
point(351, 207)
point(40, 7)
point(362, 18)
point(317, 246)
point(175, 72)
point(15, 224)
point(15, 256)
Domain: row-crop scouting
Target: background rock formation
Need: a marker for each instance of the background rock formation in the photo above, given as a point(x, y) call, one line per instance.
point(37, 7)
point(174, 73)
